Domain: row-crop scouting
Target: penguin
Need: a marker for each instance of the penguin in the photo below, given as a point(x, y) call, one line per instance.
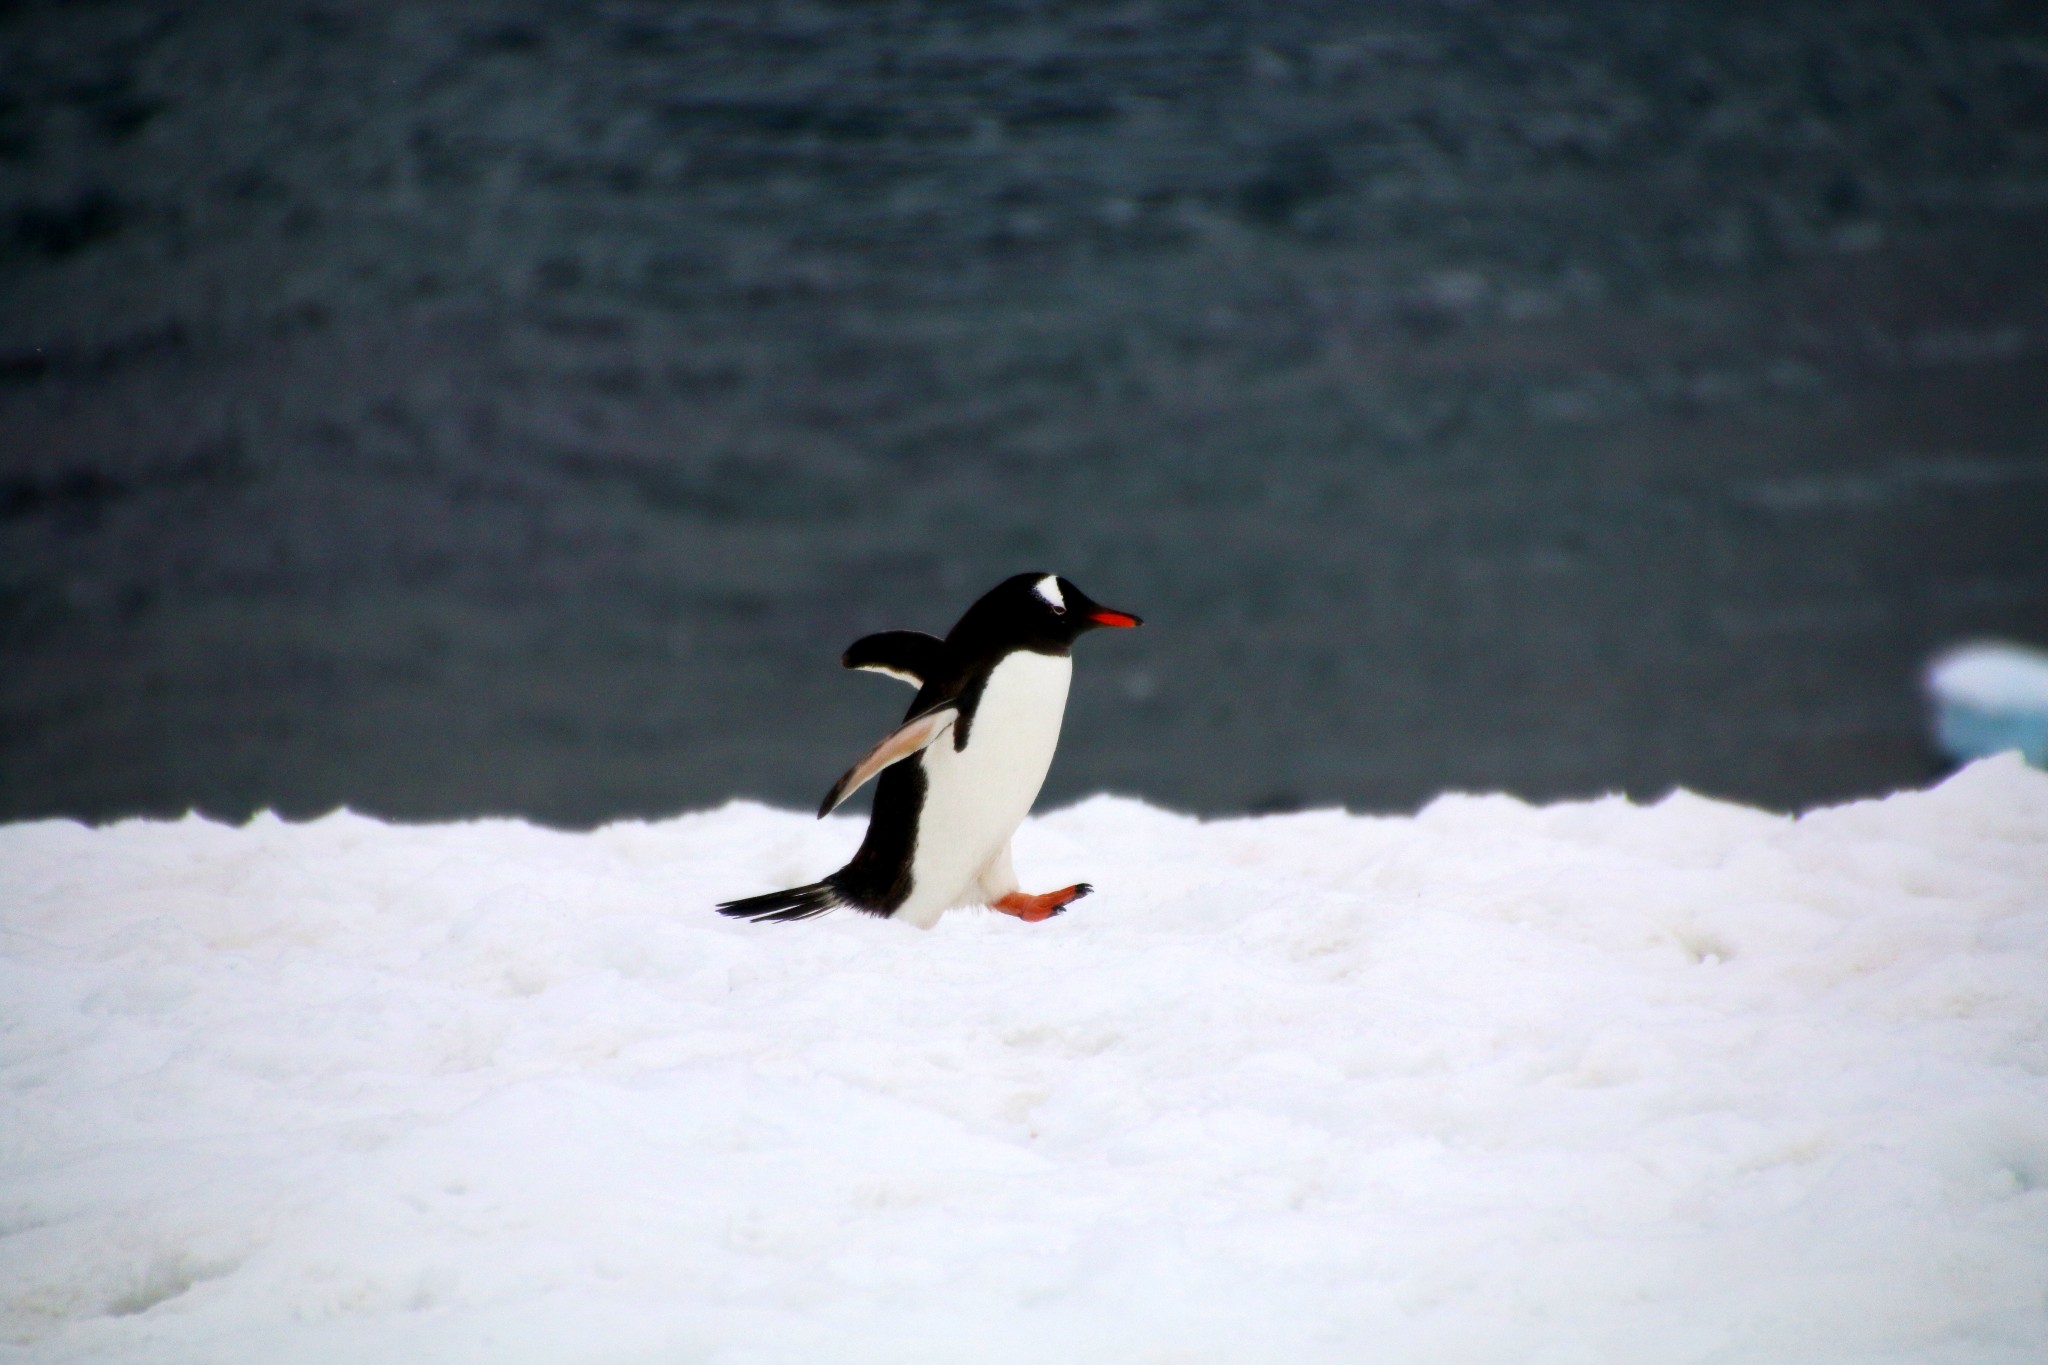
point(960, 773)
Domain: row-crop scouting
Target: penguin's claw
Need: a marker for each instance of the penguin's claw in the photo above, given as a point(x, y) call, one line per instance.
point(1035, 909)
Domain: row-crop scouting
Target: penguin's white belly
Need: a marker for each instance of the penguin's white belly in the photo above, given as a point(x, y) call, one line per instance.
point(977, 796)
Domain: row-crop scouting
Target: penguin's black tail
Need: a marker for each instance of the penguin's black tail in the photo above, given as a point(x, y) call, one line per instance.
point(799, 902)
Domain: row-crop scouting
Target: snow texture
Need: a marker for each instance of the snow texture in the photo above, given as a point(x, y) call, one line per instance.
point(1591, 1082)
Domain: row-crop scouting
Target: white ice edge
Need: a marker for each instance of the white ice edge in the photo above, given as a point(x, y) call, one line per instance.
point(1991, 676)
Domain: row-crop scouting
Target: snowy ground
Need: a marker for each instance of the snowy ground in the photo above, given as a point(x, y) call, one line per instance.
point(1593, 1082)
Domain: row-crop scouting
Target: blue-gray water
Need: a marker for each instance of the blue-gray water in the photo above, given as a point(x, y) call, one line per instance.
point(496, 407)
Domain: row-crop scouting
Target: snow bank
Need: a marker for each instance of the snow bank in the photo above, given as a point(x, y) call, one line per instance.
point(1594, 1082)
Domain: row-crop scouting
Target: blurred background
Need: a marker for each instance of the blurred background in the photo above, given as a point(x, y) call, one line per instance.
point(448, 409)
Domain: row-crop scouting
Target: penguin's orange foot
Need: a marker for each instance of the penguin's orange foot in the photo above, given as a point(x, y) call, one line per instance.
point(1032, 909)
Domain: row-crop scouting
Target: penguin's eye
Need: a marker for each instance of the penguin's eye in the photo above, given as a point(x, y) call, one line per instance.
point(1048, 590)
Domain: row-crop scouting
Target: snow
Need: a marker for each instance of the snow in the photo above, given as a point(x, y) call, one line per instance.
point(1591, 1082)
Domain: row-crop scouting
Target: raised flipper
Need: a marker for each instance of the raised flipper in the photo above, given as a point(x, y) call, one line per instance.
point(908, 655)
point(914, 735)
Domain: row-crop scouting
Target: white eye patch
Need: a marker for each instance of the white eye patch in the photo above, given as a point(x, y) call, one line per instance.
point(1048, 588)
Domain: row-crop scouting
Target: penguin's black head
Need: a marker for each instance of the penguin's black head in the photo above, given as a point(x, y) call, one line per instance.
point(1036, 611)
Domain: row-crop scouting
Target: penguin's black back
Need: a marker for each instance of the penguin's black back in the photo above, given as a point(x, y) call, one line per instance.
point(877, 878)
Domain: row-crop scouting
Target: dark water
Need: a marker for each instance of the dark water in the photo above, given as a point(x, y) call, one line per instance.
point(451, 409)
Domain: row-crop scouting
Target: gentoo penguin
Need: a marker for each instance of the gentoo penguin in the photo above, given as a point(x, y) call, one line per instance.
point(959, 774)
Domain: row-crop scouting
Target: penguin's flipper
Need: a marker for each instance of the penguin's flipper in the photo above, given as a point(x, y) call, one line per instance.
point(799, 902)
point(908, 655)
point(913, 737)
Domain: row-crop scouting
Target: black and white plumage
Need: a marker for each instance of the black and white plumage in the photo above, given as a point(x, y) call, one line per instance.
point(959, 774)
